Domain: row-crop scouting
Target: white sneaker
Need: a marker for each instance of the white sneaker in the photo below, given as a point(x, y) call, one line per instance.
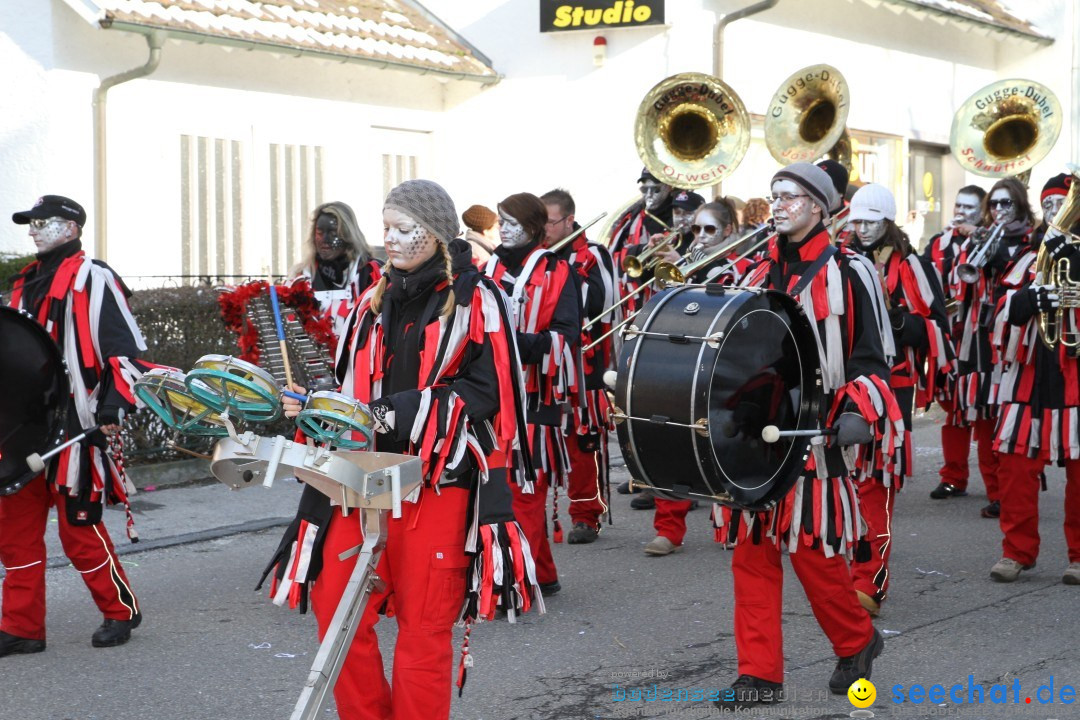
point(660, 545)
point(1007, 570)
point(1072, 574)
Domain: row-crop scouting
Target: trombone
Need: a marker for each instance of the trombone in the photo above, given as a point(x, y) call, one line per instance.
point(557, 247)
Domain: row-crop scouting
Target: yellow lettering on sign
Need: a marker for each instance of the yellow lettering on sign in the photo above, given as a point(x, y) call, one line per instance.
point(562, 16)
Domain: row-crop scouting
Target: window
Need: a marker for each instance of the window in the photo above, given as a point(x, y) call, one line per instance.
point(296, 188)
point(397, 169)
point(211, 205)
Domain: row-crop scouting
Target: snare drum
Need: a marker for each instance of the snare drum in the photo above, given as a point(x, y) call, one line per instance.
point(700, 377)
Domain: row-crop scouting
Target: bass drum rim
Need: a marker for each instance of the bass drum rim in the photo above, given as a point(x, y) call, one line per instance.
point(54, 435)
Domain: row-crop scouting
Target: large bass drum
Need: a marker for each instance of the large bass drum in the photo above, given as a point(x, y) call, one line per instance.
point(34, 396)
point(700, 378)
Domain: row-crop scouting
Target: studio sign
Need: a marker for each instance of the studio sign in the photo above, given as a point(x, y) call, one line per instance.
point(557, 16)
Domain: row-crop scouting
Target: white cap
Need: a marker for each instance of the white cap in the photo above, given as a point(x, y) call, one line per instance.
point(872, 202)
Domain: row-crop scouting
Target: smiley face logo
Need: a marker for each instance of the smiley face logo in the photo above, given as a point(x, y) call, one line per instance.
point(862, 693)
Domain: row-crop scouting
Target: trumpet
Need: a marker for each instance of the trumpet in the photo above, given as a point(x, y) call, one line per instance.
point(573, 236)
point(969, 272)
point(635, 266)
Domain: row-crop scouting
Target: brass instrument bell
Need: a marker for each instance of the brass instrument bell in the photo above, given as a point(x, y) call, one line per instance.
point(807, 116)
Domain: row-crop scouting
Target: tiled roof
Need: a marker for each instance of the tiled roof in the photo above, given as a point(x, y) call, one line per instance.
point(988, 15)
point(400, 32)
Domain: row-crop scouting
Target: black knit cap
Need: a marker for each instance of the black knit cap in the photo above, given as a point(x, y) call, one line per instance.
point(837, 173)
point(1057, 185)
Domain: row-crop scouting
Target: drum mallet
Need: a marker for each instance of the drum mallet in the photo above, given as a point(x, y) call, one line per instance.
point(771, 433)
point(280, 333)
point(36, 462)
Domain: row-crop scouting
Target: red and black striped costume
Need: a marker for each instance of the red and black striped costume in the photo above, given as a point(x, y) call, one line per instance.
point(338, 303)
point(456, 552)
point(818, 522)
point(83, 305)
point(631, 233)
point(1039, 415)
point(590, 422)
point(547, 319)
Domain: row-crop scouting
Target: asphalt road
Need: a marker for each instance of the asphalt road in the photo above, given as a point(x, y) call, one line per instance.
point(211, 648)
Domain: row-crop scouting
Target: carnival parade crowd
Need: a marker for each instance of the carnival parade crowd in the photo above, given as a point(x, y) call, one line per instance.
point(489, 354)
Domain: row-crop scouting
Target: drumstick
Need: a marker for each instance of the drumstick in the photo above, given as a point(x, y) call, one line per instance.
point(771, 433)
point(281, 335)
point(36, 462)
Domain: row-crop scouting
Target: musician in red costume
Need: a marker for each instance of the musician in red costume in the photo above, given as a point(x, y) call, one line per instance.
point(586, 429)
point(653, 214)
point(83, 305)
point(337, 261)
point(818, 522)
point(1007, 223)
point(924, 354)
point(430, 348)
point(547, 314)
point(942, 251)
point(1039, 418)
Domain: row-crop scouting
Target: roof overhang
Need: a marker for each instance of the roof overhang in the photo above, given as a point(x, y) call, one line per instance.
point(969, 16)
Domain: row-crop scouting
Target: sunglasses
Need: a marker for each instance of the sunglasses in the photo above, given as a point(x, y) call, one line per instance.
point(1003, 203)
point(39, 223)
point(709, 229)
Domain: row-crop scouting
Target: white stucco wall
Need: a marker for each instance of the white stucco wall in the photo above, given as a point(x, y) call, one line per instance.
point(554, 120)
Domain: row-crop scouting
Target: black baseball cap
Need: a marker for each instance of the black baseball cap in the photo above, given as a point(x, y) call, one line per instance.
point(687, 200)
point(646, 175)
point(49, 206)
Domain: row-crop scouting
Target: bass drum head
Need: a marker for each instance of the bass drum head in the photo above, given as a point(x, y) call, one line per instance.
point(34, 401)
point(766, 372)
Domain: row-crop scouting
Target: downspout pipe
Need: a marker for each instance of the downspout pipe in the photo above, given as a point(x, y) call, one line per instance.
point(101, 93)
point(718, 44)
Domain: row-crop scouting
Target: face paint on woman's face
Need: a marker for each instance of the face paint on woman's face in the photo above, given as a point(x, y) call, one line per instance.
point(56, 232)
point(1002, 213)
point(511, 233)
point(869, 232)
point(328, 242)
point(408, 243)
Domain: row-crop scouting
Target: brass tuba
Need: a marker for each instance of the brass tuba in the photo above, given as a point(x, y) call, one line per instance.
point(807, 116)
point(691, 130)
point(1047, 271)
point(1006, 128)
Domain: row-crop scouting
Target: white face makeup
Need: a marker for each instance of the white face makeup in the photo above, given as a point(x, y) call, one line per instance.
point(1051, 205)
point(1002, 207)
point(654, 193)
point(710, 232)
point(968, 208)
point(408, 243)
point(681, 217)
point(869, 232)
point(55, 233)
point(793, 211)
point(511, 233)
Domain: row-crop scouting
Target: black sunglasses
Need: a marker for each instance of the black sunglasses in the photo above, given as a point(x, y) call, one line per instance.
point(1003, 203)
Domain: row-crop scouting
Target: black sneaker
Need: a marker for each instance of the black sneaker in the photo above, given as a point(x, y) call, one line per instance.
point(624, 489)
point(549, 589)
point(645, 501)
point(582, 534)
point(942, 491)
point(115, 632)
point(993, 510)
point(15, 645)
point(859, 665)
point(748, 691)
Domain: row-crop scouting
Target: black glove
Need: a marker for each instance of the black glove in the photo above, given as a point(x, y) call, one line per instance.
point(897, 316)
point(1044, 298)
point(109, 415)
point(852, 429)
point(1057, 244)
point(382, 412)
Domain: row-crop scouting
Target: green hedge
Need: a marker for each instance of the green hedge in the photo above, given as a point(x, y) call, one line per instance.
point(10, 265)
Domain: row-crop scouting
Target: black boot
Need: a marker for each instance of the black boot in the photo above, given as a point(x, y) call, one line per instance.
point(748, 691)
point(15, 645)
point(859, 665)
point(115, 632)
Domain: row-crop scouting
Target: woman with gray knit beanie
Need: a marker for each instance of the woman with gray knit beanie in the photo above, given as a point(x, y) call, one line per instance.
point(430, 349)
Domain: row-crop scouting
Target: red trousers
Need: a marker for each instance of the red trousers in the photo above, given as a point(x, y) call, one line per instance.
point(530, 510)
point(584, 491)
point(669, 519)
point(23, 518)
point(424, 567)
point(876, 504)
point(759, 599)
point(1019, 520)
point(956, 446)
